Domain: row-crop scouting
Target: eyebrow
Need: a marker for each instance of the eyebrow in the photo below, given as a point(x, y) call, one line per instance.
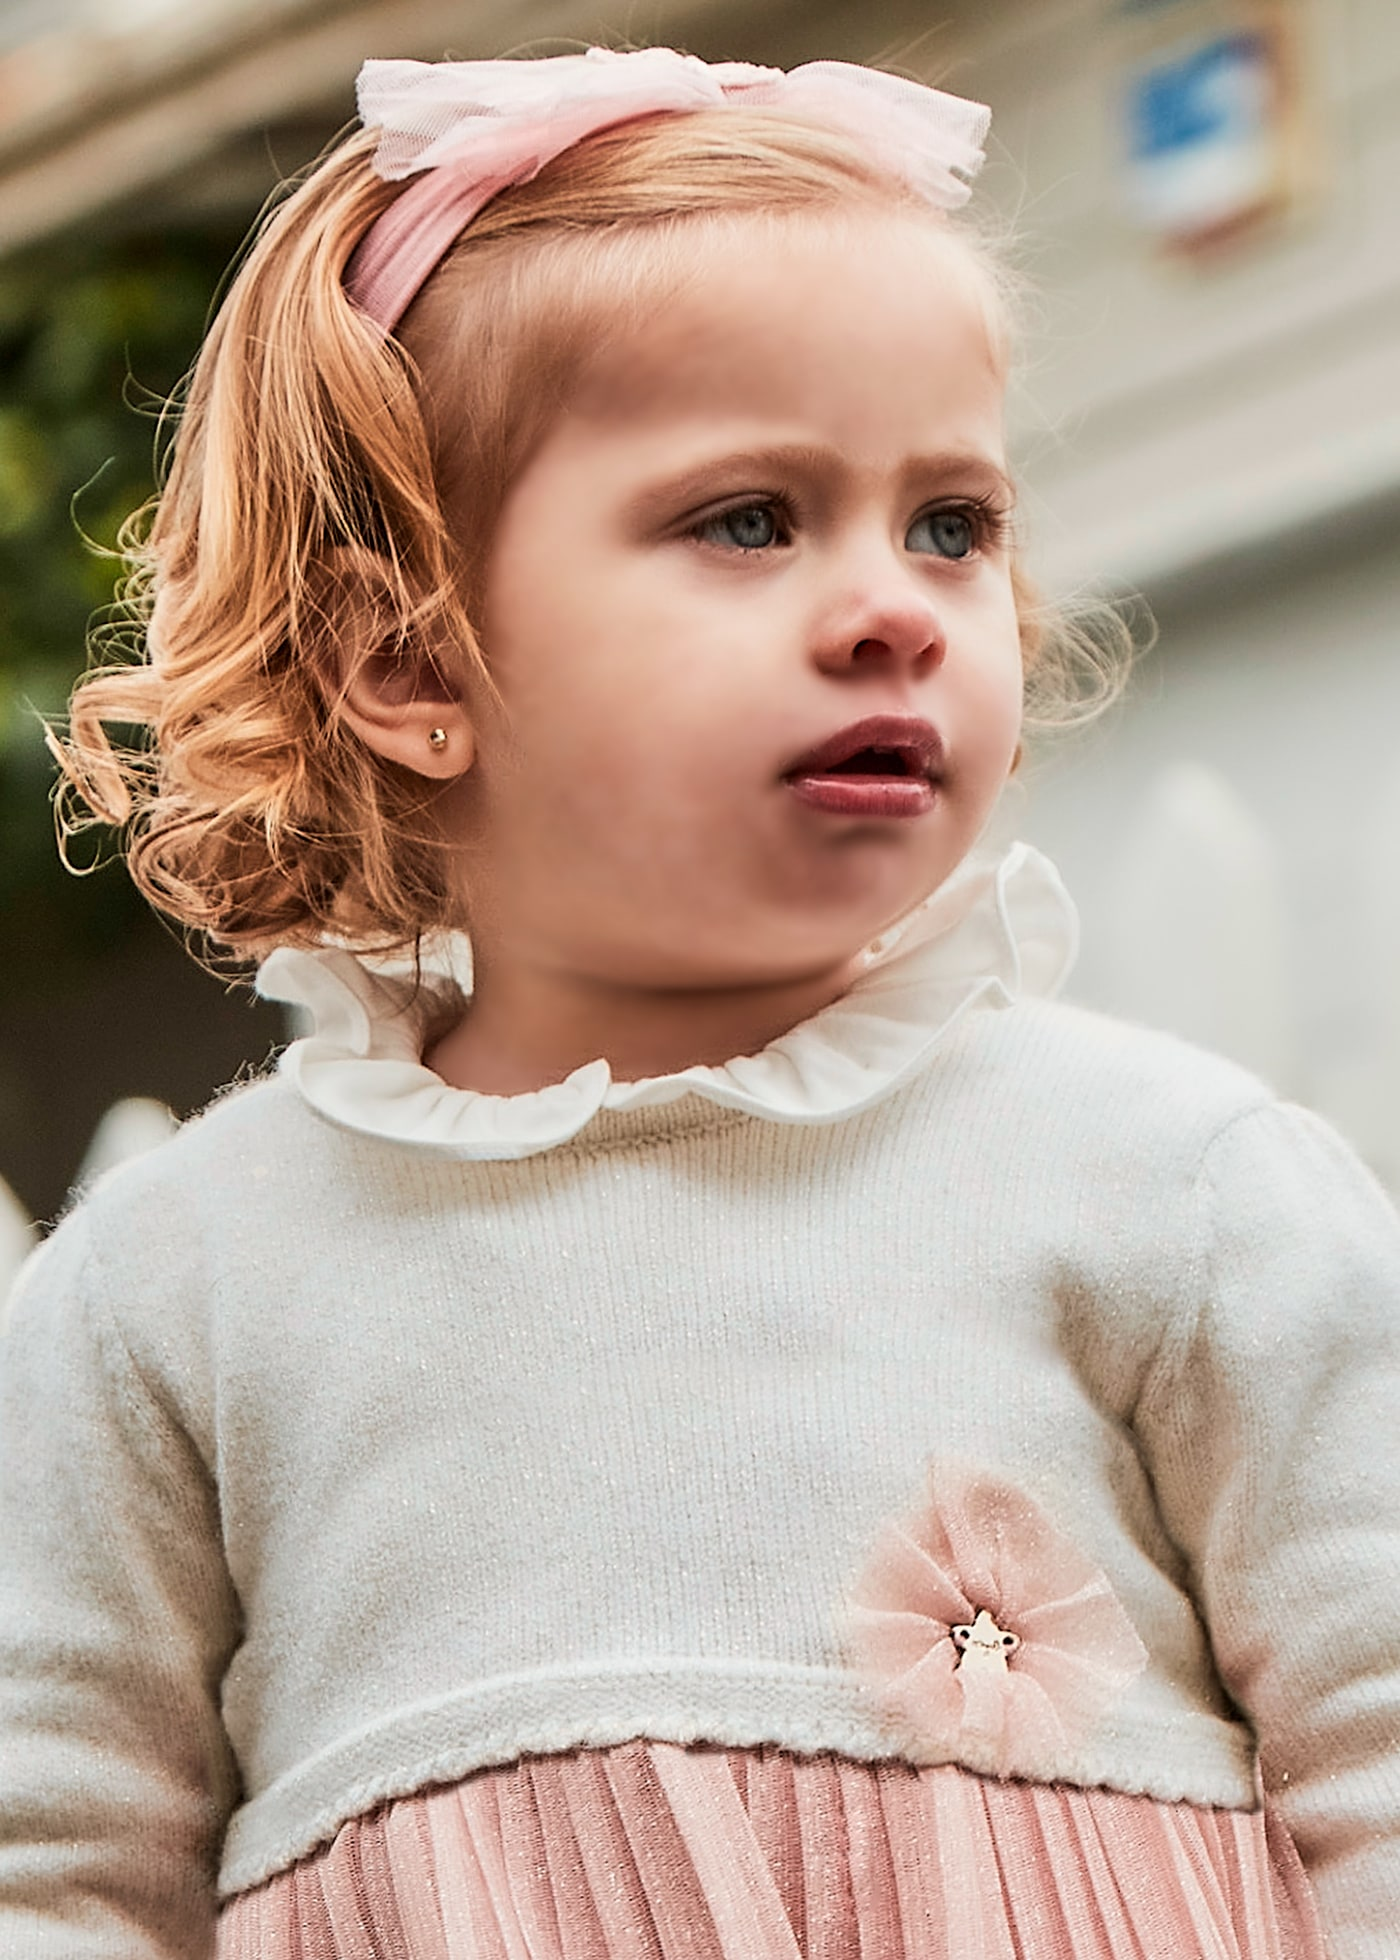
point(788, 460)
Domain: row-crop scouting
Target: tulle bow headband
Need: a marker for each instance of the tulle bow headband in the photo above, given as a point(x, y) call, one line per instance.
point(465, 130)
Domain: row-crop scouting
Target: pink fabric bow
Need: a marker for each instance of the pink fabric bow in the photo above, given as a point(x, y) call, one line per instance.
point(986, 1635)
point(477, 126)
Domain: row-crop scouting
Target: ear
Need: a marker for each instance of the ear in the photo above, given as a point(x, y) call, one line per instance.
point(393, 691)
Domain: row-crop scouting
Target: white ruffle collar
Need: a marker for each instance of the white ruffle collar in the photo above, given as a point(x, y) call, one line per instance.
point(998, 929)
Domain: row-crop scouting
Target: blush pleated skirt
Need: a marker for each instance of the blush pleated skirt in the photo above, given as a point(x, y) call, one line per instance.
point(653, 1852)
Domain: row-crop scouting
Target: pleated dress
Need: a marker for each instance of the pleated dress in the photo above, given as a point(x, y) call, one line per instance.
point(648, 1851)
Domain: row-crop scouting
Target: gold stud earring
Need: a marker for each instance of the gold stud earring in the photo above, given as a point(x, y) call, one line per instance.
point(437, 738)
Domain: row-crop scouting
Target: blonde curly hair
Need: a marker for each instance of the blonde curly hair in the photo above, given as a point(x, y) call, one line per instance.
point(307, 440)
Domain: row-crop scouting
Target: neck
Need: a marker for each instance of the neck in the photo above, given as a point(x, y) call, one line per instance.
point(527, 1029)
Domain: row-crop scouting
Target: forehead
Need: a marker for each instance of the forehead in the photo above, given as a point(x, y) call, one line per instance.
point(876, 326)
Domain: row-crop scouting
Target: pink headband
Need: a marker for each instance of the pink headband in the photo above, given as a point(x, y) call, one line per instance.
point(473, 127)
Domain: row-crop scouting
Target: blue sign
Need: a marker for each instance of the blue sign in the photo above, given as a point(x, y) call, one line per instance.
point(1211, 94)
point(1203, 131)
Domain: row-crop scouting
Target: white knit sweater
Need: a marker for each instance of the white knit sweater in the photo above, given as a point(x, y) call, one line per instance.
point(341, 1457)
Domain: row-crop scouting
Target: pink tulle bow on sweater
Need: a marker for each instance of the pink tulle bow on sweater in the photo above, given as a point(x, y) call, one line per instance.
point(476, 127)
point(986, 1636)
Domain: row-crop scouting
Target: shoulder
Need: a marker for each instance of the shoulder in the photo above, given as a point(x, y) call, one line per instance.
point(1150, 1116)
point(1229, 1121)
point(1110, 1083)
point(1089, 1111)
point(249, 1131)
point(213, 1175)
point(192, 1237)
point(1113, 1055)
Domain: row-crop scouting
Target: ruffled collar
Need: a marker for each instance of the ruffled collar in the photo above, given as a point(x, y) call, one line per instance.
point(997, 930)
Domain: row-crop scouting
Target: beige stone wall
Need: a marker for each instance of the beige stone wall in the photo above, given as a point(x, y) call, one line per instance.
point(183, 103)
point(1170, 415)
point(1175, 414)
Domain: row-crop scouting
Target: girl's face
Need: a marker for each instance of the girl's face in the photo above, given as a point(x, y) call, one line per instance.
point(749, 611)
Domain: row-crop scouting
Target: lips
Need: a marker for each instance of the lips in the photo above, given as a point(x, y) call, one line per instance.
point(881, 766)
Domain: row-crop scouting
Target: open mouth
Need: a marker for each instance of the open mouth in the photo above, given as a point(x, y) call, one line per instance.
point(878, 762)
point(902, 746)
point(882, 766)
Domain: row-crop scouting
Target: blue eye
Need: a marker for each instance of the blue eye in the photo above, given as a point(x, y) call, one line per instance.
point(745, 527)
point(944, 533)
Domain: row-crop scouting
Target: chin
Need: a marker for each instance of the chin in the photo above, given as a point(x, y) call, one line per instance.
point(848, 931)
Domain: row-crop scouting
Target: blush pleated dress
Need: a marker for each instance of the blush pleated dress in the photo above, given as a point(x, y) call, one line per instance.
point(648, 1851)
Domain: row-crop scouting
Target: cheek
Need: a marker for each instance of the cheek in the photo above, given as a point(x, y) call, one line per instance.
point(996, 677)
point(568, 626)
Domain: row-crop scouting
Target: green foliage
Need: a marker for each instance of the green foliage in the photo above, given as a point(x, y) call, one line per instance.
point(95, 334)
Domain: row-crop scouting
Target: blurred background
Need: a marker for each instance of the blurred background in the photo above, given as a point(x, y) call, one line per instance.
point(1207, 418)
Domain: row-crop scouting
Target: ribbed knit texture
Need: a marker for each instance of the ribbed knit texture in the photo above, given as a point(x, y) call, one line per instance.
point(331, 1469)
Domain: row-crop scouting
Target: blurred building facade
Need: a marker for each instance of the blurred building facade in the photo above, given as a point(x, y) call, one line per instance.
point(1213, 424)
point(1219, 429)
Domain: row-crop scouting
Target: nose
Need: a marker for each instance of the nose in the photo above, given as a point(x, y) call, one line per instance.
point(883, 619)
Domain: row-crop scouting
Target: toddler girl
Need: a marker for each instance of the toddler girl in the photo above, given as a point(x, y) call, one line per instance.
point(733, 1428)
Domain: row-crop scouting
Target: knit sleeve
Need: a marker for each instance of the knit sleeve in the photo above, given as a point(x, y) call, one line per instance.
point(117, 1620)
point(1273, 1436)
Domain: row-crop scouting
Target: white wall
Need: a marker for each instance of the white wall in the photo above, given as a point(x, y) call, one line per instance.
point(1290, 690)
